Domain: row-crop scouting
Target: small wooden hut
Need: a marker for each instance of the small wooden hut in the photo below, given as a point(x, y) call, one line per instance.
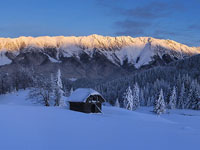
point(86, 100)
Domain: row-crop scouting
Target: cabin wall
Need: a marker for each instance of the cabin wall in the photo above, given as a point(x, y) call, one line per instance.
point(91, 108)
point(77, 106)
point(85, 107)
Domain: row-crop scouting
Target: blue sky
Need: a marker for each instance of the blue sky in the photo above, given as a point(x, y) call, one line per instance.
point(178, 20)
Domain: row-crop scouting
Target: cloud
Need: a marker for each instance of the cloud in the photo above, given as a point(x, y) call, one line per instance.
point(165, 33)
point(131, 27)
point(160, 19)
point(194, 27)
point(152, 10)
point(107, 3)
point(131, 24)
point(130, 33)
point(137, 20)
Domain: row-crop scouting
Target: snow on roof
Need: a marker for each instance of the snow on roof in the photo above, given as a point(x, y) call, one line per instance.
point(81, 94)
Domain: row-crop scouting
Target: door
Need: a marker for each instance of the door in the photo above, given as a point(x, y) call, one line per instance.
point(93, 108)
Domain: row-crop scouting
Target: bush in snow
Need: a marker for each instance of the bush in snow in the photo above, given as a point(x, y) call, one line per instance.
point(42, 91)
point(48, 91)
point(159, 107)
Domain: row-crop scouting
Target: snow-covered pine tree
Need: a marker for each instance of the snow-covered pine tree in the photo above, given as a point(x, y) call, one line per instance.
point(136, 98)
point(173, 99)
point(71, 90)
point(194, 100)
point(150, 101)
point(128, 99)
point(188, 103)
point(197, 94)
point(181, 99)
point(159, 107)
point(117, 103)
point(142, 99)
point(58, 90)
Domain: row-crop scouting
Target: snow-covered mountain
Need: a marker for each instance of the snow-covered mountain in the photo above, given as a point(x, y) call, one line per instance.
point(123, 51)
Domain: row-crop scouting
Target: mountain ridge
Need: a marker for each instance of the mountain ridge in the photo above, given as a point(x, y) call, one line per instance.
point(93, 55)
point(138, 51)
point(91, 41)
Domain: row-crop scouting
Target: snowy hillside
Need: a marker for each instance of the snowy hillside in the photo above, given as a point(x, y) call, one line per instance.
point(4, 59)
point(136, 51)
point(26, 126)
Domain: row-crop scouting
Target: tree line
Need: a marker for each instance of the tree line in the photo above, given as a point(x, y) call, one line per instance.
point(179, 82)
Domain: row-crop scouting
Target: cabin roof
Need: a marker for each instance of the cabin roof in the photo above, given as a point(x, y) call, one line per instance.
point(81, 94)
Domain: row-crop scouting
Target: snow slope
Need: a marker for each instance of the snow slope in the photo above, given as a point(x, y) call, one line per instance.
point(29, 127)
point(4, 60)
point(138, 51)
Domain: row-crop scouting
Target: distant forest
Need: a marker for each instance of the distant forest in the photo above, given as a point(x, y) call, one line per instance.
point(183, 75)
point(180, 78)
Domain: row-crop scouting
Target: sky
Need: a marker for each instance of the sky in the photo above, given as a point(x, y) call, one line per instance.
point(177, 20)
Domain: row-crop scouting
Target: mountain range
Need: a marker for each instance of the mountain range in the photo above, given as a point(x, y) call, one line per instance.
point(91, 56)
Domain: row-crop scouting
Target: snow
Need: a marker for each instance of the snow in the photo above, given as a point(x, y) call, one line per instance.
point(17, 98)
point(137, 51)
point(73, 79)
point(53, 60)
point(4, 60)
point(29, 127)
point(81, 94)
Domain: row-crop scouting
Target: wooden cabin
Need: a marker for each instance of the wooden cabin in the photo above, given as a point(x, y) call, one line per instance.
point(86, 100)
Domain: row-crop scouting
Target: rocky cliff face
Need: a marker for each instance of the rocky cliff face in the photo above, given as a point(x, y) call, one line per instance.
point(92, 56)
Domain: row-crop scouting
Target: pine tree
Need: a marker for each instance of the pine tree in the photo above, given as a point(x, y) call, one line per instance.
point(136, 99)
point(195, 104)
point(58, 91)
point(181, 99)
point(159, 107)
point(117, 103)
point(173, 99)
point(128, 99)
point(142, 99)
point(150, 101)
point(198, 104)
point(71, 90)
point(188, 103)
point(195, 95)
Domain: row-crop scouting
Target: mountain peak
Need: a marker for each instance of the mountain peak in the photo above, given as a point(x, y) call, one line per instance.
point(138, 51)
point(91, 41)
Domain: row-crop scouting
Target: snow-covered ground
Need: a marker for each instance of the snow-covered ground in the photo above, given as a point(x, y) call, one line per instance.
point(26, 126)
